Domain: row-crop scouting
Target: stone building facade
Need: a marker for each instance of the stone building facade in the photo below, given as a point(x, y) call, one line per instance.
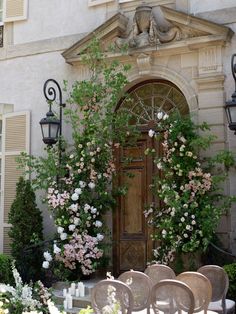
point(186, 44)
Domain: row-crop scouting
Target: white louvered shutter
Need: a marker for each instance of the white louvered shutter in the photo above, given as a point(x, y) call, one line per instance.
point(15, 10)
point(15, 140)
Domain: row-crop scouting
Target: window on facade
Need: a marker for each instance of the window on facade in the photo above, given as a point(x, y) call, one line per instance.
point(1, 12)
point(1, 23)
point(147, 99)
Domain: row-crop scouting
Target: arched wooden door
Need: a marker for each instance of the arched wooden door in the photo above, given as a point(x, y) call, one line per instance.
point(132, 244)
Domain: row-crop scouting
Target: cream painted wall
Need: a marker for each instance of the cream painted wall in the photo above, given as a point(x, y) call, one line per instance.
point(55, 18)
point(197, 6)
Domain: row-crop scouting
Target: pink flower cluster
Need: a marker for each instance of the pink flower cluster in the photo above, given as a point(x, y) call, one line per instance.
point(83, 249)
point(200, 182)
point(56, 199)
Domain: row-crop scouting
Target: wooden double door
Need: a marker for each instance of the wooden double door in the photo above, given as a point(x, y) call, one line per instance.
point(131, 234)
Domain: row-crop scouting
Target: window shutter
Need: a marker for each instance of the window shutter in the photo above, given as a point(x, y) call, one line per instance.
point(15, 140)
point(15, 10)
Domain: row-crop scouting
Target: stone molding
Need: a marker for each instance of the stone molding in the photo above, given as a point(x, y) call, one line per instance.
point(194, 34)
point(163, 72)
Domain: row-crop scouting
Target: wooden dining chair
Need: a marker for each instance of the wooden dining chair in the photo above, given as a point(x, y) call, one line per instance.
point(158, 272)
point(111, 296)
point(140, 285)
point(172, 296)
point(220, 284)
point(201, 288)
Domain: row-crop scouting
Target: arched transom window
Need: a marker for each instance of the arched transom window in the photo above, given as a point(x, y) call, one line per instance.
point(146, 100)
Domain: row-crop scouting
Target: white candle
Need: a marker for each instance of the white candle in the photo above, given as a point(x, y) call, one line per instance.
point(70, 291)
point(72, 288)
point(77, 292)
point(64, 292)
point(69, 301)
point(82, 290)
point(65, 304)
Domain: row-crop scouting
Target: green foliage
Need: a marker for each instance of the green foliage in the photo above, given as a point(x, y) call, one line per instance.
point(191, 198)
point(231, 271)
point(5, 269)
point(26, 227)
point(88, 310)
point(82, 195)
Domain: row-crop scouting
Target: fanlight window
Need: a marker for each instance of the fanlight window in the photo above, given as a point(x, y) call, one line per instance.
point(145, 101)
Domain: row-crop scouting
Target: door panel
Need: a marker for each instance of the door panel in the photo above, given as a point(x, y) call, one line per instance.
point(132, 203)
point(132, 244)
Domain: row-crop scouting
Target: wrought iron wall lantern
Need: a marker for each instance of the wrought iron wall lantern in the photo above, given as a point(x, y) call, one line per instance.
point(51, 126)
point(230, 106)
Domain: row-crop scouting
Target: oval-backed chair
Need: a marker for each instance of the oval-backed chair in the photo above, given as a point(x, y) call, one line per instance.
point(220, 284)
point(172, 296)
point(140, 285)
point(158, 272)
point(201, 288)
point(111, 296)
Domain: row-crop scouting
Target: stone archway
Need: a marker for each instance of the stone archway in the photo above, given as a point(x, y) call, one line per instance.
point(132, 242)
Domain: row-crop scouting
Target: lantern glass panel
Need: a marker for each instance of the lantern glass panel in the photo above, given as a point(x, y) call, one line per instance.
point(45, 130)
point(53, 130)
point(232, 112)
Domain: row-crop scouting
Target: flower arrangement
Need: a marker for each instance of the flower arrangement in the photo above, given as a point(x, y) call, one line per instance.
point(190, 199)
point(24, 298)
point(81, 197)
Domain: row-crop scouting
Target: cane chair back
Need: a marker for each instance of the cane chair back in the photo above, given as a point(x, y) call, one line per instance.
point(201, 288)
point(171, 296)
point(111, 296)
point(220, 284)
point(140, 285)
point(158, 272)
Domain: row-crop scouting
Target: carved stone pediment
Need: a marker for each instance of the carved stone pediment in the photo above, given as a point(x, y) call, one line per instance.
point(158, 30)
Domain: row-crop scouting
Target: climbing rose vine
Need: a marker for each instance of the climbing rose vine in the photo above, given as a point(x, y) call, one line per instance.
point(190, 200)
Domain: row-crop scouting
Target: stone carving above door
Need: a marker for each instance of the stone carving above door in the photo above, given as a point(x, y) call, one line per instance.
point(145, 30)
point(152, 30)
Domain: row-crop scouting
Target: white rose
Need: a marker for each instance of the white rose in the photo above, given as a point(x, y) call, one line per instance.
point(60, 229)
point(75, 197)
point(86, 207)
point(151, 133)
point(185, 235)
point(160, 115)
point(74, 207)
point(72, 227)
point(78, 191)
point(76, 221)
point(100, 237)
point(182, 219)
point(47, 256)
point(56, 249)
point(91, 185)
point(63, 236)
point(82, 184)
point(166, 116)
point(193, 222)
point(45, 264)
point(93, 160)
point(98, 223)
point(93, 210)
